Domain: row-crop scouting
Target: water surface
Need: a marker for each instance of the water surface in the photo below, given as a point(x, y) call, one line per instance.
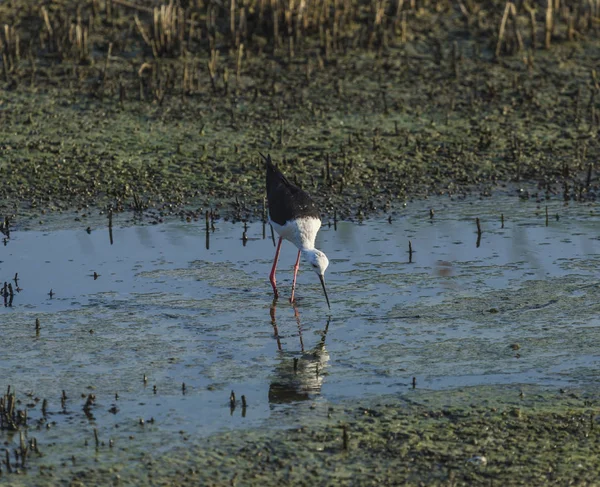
point(519, 305)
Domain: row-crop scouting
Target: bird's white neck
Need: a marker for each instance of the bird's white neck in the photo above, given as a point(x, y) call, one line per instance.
point(302, 232)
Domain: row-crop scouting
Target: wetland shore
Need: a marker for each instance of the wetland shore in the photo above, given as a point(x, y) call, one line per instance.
point(113, 107)
point(384, 111)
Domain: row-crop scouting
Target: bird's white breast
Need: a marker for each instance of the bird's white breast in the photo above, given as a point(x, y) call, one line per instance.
point(302, 232)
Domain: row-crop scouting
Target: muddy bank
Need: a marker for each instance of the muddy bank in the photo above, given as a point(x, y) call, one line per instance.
point(366, 106)
point(507, 437)
point(428, 100)
point(514, 435)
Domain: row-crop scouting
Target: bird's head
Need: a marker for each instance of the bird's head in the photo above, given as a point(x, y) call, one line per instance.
point(319, 262)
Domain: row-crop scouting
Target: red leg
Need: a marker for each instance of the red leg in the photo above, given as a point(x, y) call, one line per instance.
point(272, 275)
point(296, 266)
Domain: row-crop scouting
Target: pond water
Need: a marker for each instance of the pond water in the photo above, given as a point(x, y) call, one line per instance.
point(519, 305)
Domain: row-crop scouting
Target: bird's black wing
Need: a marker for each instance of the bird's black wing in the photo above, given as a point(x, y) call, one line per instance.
point(286, 200)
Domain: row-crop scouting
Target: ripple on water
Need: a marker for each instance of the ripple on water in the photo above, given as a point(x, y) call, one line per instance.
point(511, 311)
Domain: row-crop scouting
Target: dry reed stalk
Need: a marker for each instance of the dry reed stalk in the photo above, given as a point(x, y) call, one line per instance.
point(510, 11)
point(288, 15)
point(238, 72)
point(275, 13)
point(130, 5)
point(532, 24)
point(502, 28)
point(143, 68)
point(232, 18)
point(212, 68)
point(191, 31)
point(516, 31)
point(399, 5)
point(242, 30)
point(166, 36)
point(145, 35)
point(10, 48)
point(549, 24)
point(571, 28)
point(79, 39)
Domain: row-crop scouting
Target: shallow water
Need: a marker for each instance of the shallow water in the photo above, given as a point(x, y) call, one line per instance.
point(519, 308)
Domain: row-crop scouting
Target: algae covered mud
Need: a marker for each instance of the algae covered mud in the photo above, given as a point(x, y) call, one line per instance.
point(118, 103)
point(159, 358)
point(457, 352)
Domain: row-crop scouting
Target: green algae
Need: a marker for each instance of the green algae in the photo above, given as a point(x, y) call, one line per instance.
point(395, 123)
point(167, 309)
point(434, 115)
point(513, 435)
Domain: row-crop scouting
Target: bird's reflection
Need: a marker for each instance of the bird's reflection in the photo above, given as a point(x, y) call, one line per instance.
point(299, 374)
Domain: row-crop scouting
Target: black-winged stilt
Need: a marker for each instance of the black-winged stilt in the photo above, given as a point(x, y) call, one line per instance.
point(295, 217)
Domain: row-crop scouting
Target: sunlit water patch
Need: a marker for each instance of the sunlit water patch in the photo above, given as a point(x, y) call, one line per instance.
point(162, 324)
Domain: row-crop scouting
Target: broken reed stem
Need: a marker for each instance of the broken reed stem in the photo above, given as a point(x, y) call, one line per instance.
point(238, 71)
point(10, 418)
point(516, 31)
point(22, 448)
point(232, 19)
point(532, 24)
point(549, 24)
point(511, 10)
point(110, 225)
point(145, 35)
point(130, 5)
point(167, 30)
point(502, 29)
point(110, 45)
point(275, 10)
point(212, 68)
point(10, 49)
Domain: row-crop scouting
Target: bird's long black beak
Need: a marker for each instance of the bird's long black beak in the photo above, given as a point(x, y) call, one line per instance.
point(322, 279)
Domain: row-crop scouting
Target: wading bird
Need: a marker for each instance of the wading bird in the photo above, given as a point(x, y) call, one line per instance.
point(295, 217)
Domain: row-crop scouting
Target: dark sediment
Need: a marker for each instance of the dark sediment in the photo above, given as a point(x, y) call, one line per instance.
point(364, 105)
point(464, 437)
